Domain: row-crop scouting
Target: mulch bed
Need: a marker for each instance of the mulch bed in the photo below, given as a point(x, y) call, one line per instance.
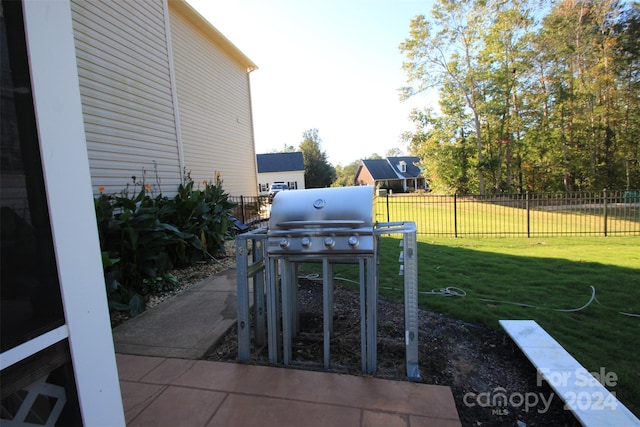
point(492, 381)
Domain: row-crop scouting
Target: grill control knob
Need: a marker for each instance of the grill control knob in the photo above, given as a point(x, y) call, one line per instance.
point(284, 243)
point(329, 242)
point(305, 242)
point(353, 241)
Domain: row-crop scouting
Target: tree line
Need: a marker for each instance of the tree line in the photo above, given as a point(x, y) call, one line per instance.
point(533, 95)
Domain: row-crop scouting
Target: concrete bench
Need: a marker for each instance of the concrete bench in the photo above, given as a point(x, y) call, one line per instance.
point(583, 393)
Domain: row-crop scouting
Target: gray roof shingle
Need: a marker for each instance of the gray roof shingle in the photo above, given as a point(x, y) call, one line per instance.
point(280, 162)
point(412, 170)
point(379, 169)
point(382, 169)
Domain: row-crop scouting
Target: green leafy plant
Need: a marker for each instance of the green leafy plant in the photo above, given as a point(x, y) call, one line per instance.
point(203, 213)
point(120, 298)
point(143, 237)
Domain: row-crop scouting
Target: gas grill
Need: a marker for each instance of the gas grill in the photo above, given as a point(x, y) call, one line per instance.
point(329, 226)
point(322, 222)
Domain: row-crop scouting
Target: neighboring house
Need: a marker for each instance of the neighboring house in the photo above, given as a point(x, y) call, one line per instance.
point(163, 92)
point(280, 167)
point(400, 174)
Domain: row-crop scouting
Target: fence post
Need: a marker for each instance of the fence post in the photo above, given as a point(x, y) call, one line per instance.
point(528, 214)
point(455, 214)
point(388, 220)
point(605, 194)
point(242, 209)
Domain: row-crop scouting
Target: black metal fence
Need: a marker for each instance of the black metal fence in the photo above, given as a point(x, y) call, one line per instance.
point(250, 210)
point(603, 213)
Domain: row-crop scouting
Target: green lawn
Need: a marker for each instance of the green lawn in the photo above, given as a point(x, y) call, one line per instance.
point(548, 274)
point(442, 215)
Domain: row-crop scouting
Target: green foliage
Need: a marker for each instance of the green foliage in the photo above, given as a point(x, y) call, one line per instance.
point(143, 237)
point(318, 172)
point(547, 94)
point(200, 213)
point(445, 53)
point(447, 152)
point(346, 174)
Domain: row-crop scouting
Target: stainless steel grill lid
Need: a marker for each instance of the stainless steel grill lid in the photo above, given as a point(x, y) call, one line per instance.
point(320, 220)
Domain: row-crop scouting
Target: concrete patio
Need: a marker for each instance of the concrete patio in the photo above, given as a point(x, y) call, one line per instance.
point(164, 382)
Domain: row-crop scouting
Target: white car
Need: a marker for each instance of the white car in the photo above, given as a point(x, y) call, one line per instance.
point(276, 187)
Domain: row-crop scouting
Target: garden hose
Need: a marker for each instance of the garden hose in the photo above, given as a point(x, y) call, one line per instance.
point(453, 291)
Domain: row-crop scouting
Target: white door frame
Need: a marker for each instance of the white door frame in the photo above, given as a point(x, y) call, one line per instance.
point(65, 164)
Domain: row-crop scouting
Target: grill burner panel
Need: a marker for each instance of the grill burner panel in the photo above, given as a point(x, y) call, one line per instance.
point(325, 242)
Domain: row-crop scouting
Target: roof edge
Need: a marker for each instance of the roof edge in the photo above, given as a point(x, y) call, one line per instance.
point(199, 21)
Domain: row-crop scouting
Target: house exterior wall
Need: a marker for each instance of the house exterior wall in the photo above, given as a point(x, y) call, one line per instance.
point(126, 92)
point(363, 177)
point(295, 180)
point(163, 93)
point(214, 102)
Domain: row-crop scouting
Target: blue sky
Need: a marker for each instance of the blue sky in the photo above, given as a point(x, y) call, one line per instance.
point(331, 65)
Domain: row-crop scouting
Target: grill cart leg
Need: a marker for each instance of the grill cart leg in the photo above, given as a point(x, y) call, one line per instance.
point(327, 308)
point(287, 309)
point(363, 314)
point(273, 331)
point(410, 272)
point(294, 300)
point(259, 293)
point(244, 328)
point(410, 251)
point(372, 317)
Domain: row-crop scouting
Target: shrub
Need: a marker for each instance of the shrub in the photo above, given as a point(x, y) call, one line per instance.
point(203, 214)
point(143, 237)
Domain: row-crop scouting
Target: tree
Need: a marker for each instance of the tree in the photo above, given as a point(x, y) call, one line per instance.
point(394, 152)
point(506, 57)
point(583, 50)
point(288, 149)
point(318, 173)
point(445, 51)
point(628, 65)
point(554, 94)
point(346, 174)
point(442, 142)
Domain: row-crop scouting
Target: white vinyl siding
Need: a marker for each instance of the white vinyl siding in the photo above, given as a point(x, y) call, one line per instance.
point(125, 85)
point(215, 109)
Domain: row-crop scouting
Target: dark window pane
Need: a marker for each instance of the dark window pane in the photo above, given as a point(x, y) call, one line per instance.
point(30, 294)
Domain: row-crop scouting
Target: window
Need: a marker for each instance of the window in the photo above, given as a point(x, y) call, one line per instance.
point(402, 166)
